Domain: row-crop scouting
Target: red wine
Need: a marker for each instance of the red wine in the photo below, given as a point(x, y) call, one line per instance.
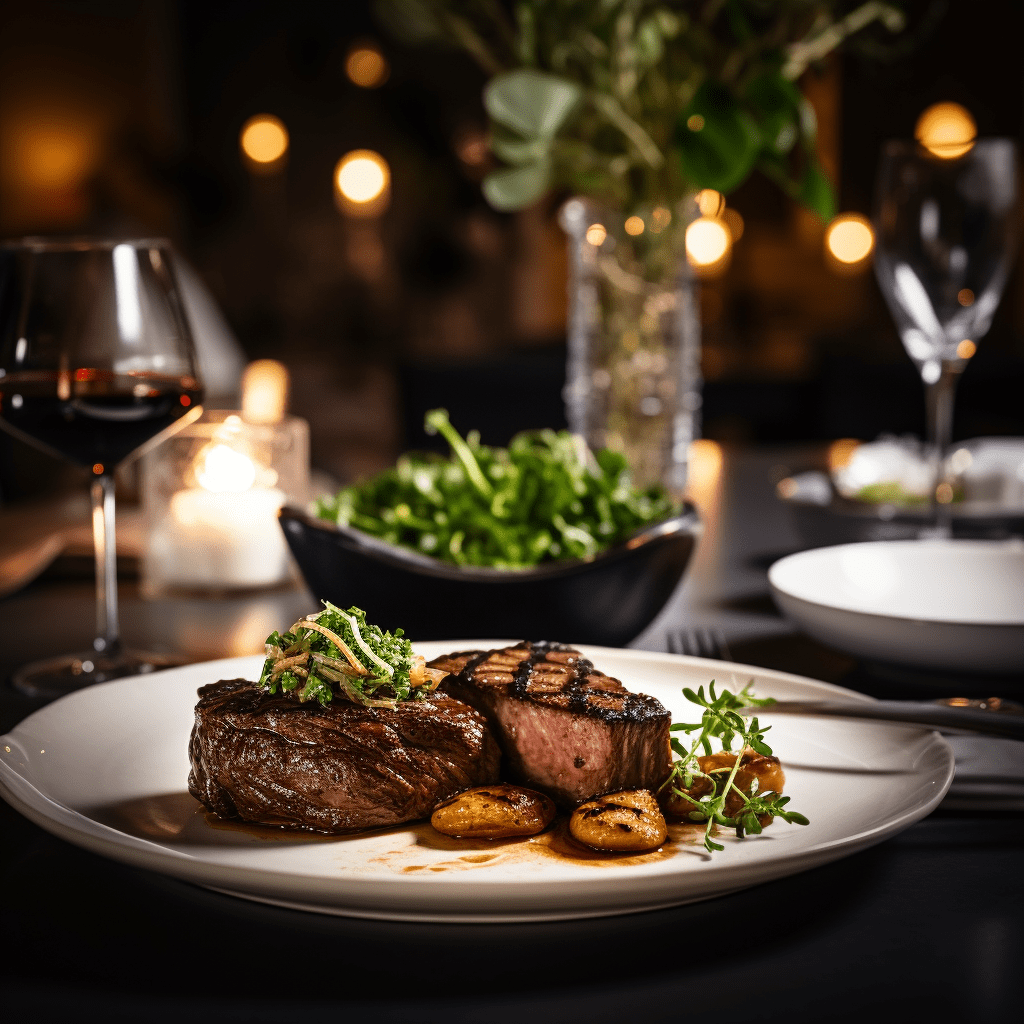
point(94, 417)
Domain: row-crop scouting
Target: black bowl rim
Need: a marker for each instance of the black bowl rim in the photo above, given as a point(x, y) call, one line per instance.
point(688, 523)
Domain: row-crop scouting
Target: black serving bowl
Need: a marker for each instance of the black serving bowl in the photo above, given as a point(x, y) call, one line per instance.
point(607, 600)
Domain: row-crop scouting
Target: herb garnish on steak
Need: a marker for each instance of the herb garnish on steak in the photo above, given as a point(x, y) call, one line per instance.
point(338, 650)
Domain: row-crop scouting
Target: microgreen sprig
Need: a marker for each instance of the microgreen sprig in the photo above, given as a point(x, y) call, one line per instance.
point(721, 722)
point(544, 498)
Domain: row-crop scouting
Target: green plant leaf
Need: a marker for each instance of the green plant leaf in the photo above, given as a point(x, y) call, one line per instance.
point(775, 102)
point(533, 104)
point(514, 149)
point(719, 152)
point(513, 188)
point(808, 124)
point(816, 191)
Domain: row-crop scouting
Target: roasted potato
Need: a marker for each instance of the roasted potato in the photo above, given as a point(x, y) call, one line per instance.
point(494, 812)
point(767, 771)
point(620, 821)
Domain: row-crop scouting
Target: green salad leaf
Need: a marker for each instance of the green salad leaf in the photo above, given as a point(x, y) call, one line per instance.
point(545, 497)
point(337, 652)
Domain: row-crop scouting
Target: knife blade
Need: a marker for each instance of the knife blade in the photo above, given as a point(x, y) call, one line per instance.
point(979, 716)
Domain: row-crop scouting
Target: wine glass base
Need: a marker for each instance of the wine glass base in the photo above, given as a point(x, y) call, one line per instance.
point(54, 677)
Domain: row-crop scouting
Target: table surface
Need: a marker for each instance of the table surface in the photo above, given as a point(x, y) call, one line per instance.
point(930, 922)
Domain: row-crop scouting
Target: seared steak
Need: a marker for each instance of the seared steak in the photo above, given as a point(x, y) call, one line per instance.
point(564, 727)
point(269, 759)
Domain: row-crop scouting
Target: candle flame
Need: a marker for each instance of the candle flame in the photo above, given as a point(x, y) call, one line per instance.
point(264, 391)
point(220, 469)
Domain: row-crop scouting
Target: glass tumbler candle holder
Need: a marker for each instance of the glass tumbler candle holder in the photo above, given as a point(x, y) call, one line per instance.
point(211, 495)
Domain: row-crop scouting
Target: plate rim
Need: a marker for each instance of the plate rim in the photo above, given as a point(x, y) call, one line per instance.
point(80, 829)
point(809, 553)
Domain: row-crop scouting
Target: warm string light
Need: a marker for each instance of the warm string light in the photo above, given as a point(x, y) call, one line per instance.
point(707, 244)
point(264, 142)
point(849, 242)
point(366, 66)
point(946, 130)
point(362, 183)
point(710, 203)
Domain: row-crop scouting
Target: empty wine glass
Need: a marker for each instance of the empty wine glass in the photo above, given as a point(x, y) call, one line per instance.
point(96, 364)
point(946, 231)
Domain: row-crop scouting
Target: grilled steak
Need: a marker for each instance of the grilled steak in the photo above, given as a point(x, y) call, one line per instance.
point(563, 726)
point(269, 759)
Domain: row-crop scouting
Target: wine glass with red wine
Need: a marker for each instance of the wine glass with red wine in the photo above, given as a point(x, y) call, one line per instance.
point(96, 365)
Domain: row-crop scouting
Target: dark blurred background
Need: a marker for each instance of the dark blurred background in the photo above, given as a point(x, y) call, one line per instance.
point(121, 116)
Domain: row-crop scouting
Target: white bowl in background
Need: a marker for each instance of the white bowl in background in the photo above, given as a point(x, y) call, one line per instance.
point(955, 605)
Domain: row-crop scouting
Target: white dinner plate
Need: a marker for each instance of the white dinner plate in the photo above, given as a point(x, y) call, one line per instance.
point(952, 605)
point(107, 768)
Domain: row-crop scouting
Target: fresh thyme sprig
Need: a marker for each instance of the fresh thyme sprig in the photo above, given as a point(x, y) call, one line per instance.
point(720, 721)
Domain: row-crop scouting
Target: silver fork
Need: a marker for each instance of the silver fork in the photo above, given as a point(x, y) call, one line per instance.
point(700, 642)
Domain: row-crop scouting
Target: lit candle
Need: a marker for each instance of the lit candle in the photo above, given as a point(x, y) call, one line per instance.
point(223, 533)
point(264, 391)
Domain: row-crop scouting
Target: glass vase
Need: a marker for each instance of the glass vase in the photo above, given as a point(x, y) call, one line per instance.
point(633, 381)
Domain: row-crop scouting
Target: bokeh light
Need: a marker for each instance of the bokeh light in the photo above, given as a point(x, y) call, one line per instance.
point(850, 240)
point(264, 391)
point(366, 66)
point(710, 202)
point(946, 130)
point(472, 147)
point(264, 141)
point(707, 243)
point(661, 217)
point(634, 225)
point(841, 452)
point(596, 234)
point(965, 297)
point(734, 222)
point(966, 349)
point(47, 158)
point(362, 181)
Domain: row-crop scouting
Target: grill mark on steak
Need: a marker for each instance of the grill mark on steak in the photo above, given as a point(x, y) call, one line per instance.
point(564, 726)
point(270, 759)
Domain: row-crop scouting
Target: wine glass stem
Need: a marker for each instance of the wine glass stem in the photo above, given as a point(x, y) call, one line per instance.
point(108, 633)
point(940, 396)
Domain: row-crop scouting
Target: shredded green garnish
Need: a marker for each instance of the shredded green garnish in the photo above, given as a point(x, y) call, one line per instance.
point(337, 652)
point(720, 721)
point(544, 498)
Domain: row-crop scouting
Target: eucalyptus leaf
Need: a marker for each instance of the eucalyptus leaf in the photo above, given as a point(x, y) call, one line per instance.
point(513, 188)
point(650, 46)
point(514, 149)
point(717, 142)
point(532, 103)
point(669, 95)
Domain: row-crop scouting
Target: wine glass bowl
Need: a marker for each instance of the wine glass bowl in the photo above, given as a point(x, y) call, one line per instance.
point(96, 365)
point(945, 232)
